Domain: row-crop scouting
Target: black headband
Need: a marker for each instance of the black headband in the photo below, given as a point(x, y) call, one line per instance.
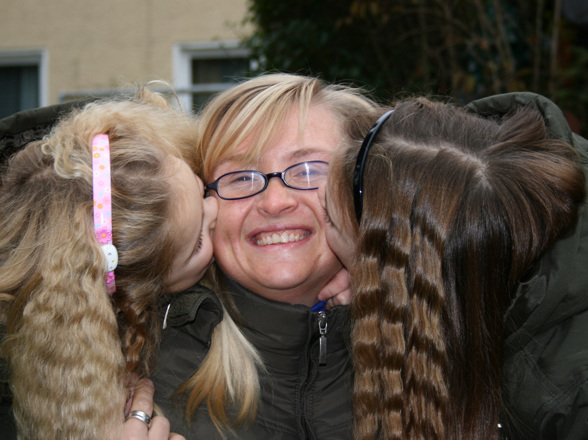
point(360, 164)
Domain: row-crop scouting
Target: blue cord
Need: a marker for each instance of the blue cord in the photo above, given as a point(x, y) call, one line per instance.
point(319, 306)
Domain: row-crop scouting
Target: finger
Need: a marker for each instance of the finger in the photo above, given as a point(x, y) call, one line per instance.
point(160, 428)
point(331, 288)
point(342, 298)
point(130, 383)
point(338, 284)
point(143, 396)
point(142, 401)
point(174, 436)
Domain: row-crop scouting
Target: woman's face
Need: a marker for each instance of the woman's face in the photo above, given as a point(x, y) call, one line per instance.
point(339, 239)
point(273, 243)
point(193, 220)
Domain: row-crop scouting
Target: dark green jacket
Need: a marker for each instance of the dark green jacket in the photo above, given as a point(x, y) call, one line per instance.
point(300, 399)
point(545, 384)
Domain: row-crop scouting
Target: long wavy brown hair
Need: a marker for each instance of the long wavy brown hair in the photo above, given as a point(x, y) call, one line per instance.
point(456, 209)
point(70, 345)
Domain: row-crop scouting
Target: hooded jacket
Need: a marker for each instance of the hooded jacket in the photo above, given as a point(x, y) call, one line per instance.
point(302, 397)
point(545, 374)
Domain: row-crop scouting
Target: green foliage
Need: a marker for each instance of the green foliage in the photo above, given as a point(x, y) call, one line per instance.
point(463, 48)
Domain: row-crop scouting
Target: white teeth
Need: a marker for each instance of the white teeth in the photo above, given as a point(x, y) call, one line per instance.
point(282, 238)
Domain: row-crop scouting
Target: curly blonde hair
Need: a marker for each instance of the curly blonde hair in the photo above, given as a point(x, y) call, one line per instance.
point(456, 209)
point(69, 344)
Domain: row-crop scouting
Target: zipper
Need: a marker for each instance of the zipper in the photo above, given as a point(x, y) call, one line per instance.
point(304, 429)
point(322, 327)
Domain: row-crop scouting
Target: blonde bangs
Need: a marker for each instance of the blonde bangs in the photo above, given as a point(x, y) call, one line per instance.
point(242, 123)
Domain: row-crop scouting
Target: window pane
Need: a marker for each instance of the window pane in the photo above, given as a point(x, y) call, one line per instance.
point(19, 89)
point(212, 72)
point(200, 99)
point(218, 70)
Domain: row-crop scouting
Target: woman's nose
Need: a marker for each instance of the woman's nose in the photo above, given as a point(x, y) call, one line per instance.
point(277, 197)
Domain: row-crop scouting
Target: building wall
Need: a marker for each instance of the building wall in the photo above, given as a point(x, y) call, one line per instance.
point(98, 45)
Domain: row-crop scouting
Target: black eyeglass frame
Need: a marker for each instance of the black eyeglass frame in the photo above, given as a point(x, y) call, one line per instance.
point(267, 177)
point(360, 163)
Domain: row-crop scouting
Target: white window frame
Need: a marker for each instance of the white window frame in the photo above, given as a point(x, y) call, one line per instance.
point(39, 58)
point(184, 53)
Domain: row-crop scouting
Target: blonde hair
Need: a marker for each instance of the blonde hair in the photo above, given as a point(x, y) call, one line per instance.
point(69, 344)
point(253, 112)
point(226, 380)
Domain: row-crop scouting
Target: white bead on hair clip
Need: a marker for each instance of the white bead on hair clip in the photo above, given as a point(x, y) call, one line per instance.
point(111, 255)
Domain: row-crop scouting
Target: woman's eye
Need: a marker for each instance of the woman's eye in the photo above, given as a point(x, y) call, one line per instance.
point(240, 179)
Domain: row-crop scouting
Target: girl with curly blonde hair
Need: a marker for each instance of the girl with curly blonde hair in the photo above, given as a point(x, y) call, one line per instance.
point(81, 327)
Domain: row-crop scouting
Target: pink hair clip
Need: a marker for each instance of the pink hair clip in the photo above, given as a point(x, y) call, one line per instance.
point(103, 206)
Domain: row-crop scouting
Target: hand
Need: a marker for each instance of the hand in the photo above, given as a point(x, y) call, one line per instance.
point(337, 291)
point(135, 429)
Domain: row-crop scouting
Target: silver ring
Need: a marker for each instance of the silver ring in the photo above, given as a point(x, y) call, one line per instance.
point(139, 415)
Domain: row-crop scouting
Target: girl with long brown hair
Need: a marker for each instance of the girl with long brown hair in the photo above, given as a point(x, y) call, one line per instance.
point(439, 215)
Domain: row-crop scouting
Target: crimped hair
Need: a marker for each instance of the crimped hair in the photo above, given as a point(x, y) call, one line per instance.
point(253, 113)
point(456, 209)
point(69, 344)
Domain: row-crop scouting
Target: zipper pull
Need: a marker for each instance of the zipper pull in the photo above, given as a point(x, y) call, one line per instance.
point(165, 317)
point(322, 325)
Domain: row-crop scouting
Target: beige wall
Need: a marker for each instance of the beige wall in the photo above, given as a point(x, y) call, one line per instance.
point(103, 44)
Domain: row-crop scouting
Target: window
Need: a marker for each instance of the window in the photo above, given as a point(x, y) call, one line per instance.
point(213, 75)
point(201, 70)
point(21, 82)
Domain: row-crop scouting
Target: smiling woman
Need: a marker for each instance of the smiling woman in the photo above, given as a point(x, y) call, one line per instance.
point(280, 211)
point(271, 257)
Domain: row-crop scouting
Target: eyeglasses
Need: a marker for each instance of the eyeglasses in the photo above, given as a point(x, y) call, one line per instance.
point(247, 183)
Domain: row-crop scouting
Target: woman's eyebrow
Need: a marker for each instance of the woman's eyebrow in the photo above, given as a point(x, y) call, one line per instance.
point(304, 152)
point(236, 160)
